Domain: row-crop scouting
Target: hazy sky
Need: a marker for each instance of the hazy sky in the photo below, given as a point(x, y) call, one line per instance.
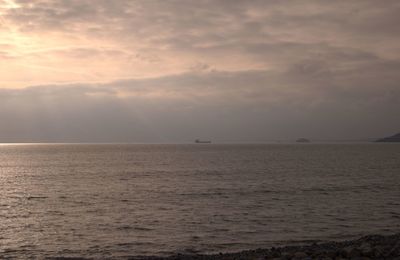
point(173, 71)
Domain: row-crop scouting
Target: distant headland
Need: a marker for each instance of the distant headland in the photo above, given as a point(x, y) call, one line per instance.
point(393, 138)
point(303, 140)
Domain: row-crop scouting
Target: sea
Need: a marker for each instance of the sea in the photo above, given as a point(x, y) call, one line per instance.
point(117, 201)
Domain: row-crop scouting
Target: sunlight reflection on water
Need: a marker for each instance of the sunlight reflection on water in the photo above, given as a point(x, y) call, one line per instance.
point(120, 200)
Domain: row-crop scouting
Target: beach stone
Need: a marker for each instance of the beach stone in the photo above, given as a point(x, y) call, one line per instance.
point(275, 253)
point(286, 255)
point(378, 251)
point(366, 249)
point(300, 255)
point(350, 252)
point(330, 254)
point(395, 251)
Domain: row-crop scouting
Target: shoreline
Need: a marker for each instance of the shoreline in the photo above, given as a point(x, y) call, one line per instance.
point(364, 248)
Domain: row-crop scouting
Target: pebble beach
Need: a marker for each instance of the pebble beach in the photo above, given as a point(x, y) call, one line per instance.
point(368, 247)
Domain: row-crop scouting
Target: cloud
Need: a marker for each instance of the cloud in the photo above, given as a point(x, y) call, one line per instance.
point(176, 35)
point(179, 70)
point(242, 106)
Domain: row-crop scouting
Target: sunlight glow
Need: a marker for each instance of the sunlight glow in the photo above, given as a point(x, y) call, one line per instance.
point(9, 4)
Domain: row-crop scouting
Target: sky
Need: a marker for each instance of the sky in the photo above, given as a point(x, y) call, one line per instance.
point(174, 71)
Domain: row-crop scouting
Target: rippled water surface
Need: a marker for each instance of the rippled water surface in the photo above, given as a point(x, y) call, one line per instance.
point(126, 200)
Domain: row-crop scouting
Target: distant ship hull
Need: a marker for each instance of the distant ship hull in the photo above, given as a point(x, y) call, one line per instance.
point(197, 141)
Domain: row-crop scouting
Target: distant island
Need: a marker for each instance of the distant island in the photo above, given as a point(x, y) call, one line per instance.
point(302, 140)
point(393, 138)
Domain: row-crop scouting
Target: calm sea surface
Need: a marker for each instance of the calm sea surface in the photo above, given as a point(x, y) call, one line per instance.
point(126, 200)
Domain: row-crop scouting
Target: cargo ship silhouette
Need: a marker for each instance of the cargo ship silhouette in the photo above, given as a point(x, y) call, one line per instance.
point(198, 141)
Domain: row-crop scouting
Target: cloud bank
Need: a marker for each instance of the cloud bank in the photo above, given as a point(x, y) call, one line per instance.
point(173, 71)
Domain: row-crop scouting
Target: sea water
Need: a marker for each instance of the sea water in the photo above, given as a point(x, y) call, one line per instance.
point(105, 201)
